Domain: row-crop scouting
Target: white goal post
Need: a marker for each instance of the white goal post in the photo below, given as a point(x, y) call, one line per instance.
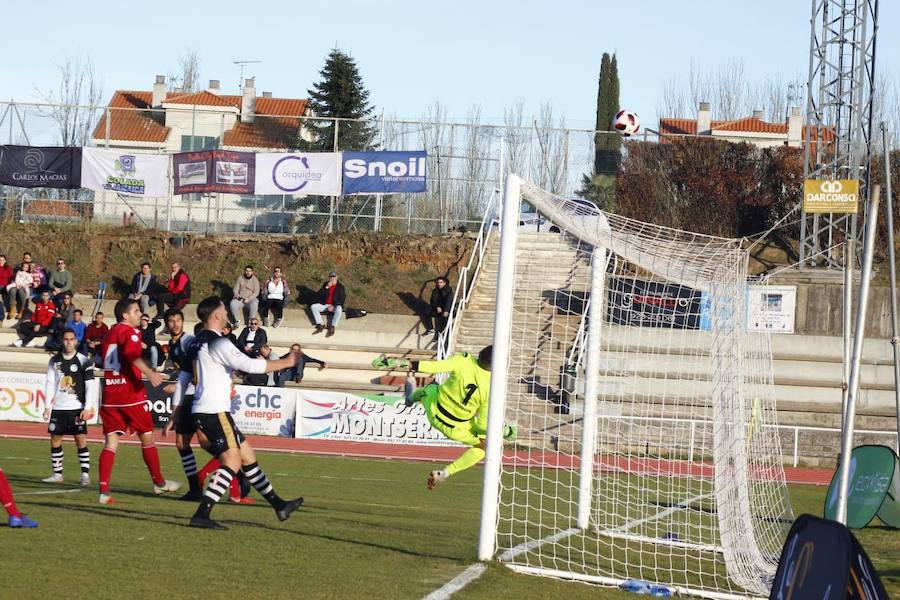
point(646, 411)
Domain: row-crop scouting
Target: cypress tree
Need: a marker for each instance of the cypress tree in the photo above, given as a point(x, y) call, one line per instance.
point(607, 148)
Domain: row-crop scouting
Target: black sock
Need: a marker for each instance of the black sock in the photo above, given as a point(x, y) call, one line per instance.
point(258, 480)
point(56, 460)
point(84, 459)
point(189, 464)
point(216, 487)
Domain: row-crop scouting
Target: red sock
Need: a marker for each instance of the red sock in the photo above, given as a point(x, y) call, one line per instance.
point(234, 489)
point(6, 497)
point(107, 460)
point(151, 459)
point(211, 466)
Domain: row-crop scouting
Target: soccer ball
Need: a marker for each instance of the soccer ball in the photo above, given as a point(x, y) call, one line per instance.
point(626, 122)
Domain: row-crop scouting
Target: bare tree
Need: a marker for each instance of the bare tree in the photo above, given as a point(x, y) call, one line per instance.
point(672, 103)
point(437, 139)
point(551, 169)
point(475, 167)
point(75, 101)
point(515, 138)
point(730, 91)
point(700, 86)
point(187, 78)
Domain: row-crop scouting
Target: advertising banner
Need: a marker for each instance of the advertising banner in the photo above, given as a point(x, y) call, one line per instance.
point(873, 488)
point(385, 172)
point(653, 304)
point(349, 417)
point(315, 174)
point(264, 410)
point(21, 396)
point(160, 404)
point(36, 167)
point(214, 171)
point(823, 559)
point(771, 308)
point(831, 195)
point(129, 174)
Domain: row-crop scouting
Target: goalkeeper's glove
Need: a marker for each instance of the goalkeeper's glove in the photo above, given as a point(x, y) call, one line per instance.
point(510, 431)
point(385, 362)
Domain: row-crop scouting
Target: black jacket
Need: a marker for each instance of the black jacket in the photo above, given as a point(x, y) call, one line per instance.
point(340, 294)
point(259, 340)
point(152, 289)
point(442, 298)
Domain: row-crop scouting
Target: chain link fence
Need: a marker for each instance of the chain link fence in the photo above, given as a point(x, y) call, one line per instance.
point(466, 161)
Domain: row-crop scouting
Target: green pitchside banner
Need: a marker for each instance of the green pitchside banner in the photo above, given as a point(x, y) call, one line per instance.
point(874, 488)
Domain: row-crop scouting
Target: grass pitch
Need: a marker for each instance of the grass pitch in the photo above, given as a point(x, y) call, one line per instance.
point(368, 529)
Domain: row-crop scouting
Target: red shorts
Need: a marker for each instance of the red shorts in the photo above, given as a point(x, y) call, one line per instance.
point(127, 419)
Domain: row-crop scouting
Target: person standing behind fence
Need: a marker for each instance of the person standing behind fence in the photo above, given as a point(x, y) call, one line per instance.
point(245, 303)
point(274, 293)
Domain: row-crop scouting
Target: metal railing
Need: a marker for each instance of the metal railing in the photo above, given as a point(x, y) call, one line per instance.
point(699, 427)
point(468, 275)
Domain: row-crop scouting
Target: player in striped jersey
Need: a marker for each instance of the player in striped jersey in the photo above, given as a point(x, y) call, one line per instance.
point(71, 396)
point(217, 358)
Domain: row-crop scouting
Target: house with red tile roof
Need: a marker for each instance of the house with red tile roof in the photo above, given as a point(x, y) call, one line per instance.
point(752, 129)
point(166, 122)
point(174, 121)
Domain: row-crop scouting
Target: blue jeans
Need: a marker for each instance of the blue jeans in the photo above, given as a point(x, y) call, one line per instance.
point(317, 310)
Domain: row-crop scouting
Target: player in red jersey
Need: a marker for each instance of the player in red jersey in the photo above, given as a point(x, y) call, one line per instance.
point(124, 407)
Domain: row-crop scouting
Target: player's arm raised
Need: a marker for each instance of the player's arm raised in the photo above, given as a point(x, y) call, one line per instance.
point(233, 358)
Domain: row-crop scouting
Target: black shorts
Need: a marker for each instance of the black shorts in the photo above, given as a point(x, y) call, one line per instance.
point(184, 422)
point(219, 431)
point(66, 422)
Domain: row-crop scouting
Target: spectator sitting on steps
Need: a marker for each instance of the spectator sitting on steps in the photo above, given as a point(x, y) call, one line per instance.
point(94, 336)
point(274, 296)
point(6, 279)
point(77, 325)
point(21, 289)
point(152, 351)
point(144, 288)
point(178, 291)
point(252, 338)
point(263, 379)
point(60, 282)
point(331, 300)
point(295, 373)
point(40, 324)
point(245, 303)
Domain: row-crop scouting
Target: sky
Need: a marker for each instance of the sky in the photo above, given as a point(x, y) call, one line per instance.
point(413, 53)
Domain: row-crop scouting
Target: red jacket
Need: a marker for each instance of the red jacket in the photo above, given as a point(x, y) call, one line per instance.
point(43, 314)
point(178, 282)
point(94, 333)
point(6, 275)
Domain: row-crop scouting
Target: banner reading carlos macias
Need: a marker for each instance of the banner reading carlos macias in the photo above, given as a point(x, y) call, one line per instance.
point(214, 171)
point(342, 416)
point(36, 167)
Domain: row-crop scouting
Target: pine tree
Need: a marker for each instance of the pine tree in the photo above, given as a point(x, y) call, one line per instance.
point(340, 93)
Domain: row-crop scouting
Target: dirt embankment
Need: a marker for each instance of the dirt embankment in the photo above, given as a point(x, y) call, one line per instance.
point(386, 273)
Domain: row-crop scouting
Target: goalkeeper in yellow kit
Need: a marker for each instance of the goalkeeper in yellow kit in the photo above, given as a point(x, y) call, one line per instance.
point(458, 408)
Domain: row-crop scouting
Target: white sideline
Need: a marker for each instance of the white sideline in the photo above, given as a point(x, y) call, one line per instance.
point(472, 573)
point(48, 492)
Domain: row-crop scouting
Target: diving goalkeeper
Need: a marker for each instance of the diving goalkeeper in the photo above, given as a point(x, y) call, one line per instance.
point(458, 408)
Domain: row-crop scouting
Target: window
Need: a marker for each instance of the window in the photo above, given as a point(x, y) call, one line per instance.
point(201, 142)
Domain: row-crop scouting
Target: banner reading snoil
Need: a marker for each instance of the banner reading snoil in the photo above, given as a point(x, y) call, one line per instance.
point(317, 174)
point(126, 173)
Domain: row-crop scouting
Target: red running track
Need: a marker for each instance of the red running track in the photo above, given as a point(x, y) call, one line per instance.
point(547, 459)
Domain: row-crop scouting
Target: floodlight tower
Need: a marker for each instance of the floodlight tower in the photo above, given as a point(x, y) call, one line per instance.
point(838, 132)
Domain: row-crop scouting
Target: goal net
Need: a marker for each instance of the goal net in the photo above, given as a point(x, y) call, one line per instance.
point(647, 448)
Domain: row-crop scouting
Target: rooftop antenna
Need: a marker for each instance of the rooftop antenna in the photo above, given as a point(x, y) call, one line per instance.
point(242, 63)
